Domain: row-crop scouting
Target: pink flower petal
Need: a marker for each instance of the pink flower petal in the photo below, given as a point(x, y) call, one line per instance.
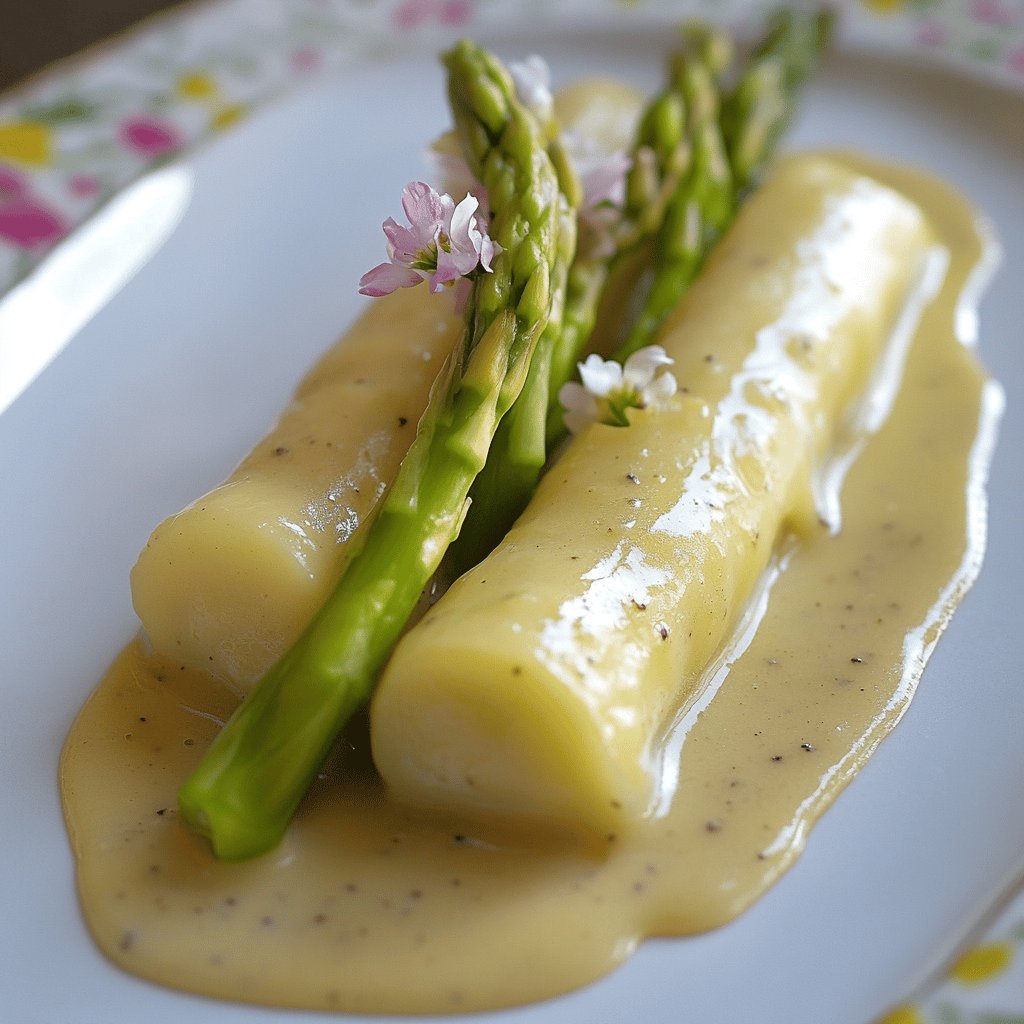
point(85, 186)
point(149, 136)
point(463, 224)
point(452, 265)
point(29, 224)
point(488, 250)
point(532, 78)
point(455, 12)
point(386, 278)
point(411, 13)
point(12, 184)
point(992, 12)
point(305, 58)
point(931, 34)
point(403, 244)
point(427, 211)
point(606, 181)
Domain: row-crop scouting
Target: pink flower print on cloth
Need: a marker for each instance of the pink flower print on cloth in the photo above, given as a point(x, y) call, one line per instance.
point(149, 137)
point(25, 221)
point(413, 13)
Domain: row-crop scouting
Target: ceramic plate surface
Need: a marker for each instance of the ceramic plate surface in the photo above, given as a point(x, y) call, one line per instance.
point(171, 381)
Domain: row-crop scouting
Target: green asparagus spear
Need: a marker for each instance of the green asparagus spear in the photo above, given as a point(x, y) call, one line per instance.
point(700, 208)
point(695, 156)
point(247, 787)
point(523, 440)
point(733, 139)
point(756, 112)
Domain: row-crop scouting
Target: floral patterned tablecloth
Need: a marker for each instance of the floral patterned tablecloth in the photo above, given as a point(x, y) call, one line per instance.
point(74, 136)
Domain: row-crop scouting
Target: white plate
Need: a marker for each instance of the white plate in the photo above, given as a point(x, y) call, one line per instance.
point(180, 372)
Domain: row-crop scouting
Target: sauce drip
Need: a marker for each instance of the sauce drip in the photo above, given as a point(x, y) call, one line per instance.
point(368, 907)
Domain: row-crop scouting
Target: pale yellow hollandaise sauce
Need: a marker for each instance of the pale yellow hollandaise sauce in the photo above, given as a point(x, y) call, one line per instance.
point(423, 887)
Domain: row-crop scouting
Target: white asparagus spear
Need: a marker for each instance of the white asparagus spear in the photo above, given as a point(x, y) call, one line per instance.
point(542, 683)
point(227, 584)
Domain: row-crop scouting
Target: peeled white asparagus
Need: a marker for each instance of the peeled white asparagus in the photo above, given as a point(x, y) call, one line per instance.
point(227, 584)
point(542, 683)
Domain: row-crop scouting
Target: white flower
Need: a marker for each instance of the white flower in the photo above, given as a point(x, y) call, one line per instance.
point(603, 180)
point(609, 388)
point(532, 79)
point(602, 173)
point(442, 243)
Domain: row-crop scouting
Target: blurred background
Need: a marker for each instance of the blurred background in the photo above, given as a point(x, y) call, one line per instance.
point(38, 32)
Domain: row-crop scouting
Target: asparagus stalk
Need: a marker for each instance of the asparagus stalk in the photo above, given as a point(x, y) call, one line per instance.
point(695, 156)
point(524, 438)
point(757, 111)
point(249, 784)
point(733, 140)
point(702, 206)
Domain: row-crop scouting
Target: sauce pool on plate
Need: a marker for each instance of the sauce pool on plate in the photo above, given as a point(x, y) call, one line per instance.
point(368, 906)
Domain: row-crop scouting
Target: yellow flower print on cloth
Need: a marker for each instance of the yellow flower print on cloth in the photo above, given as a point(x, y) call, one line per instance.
point(26, 142)
point(982, 963)
point(884, 6)
point(983, 986)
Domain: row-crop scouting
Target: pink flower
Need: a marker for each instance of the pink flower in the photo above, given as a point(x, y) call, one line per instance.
point(29, 224)
point(442, 243)
point(603, 180)
point(305, 58)
point(931, 33)
point(1016, 60)
point(532, 79)
point(84, 186)
point(454, 12)
point(991, 12)
point(149, 136)
point(447, 12)
point(12, 184)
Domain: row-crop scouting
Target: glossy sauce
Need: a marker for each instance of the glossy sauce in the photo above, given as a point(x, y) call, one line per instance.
point(370, 907)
